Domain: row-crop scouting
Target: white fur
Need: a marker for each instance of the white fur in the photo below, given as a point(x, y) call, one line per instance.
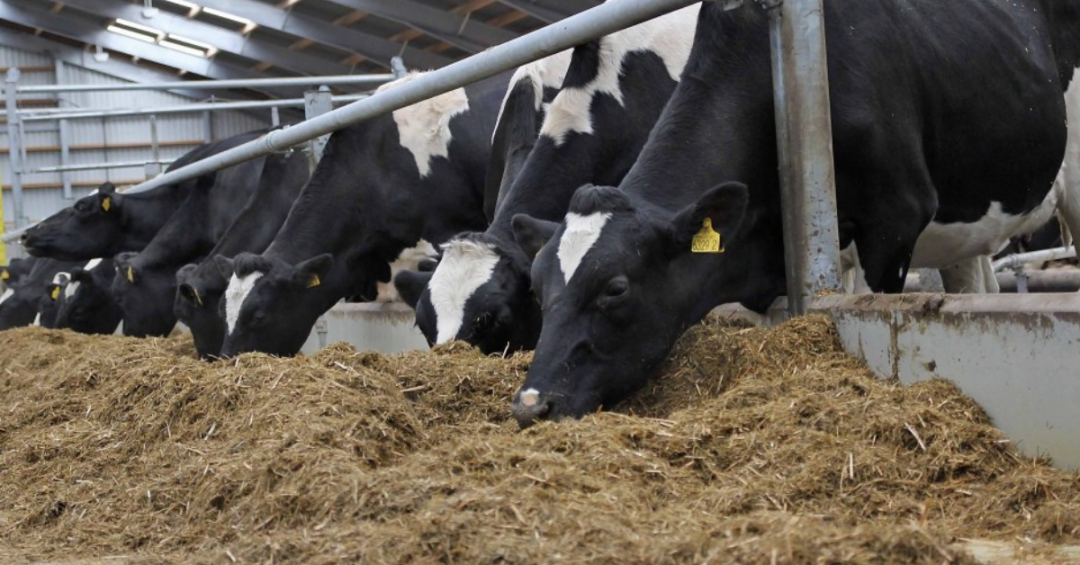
point(71, 289)
point(579, 236)
point(37, 319)
point(7, 294)
point(424, 127)
point(465, 267)
point(236, 294)
point(529, 397)
point(407, 260)
point(545, 73)
point(92, 264)
point(670, 37)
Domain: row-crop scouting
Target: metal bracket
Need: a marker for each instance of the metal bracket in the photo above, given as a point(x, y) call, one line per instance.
point(397, 65)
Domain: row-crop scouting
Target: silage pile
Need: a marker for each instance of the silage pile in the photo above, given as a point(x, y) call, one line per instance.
point(757, 446)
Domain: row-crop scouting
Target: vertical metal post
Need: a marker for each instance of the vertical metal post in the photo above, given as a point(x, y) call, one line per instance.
point(397, 66)
point(316, 103)
point(208, 125)
point(64, 132)
point(153, 168)
point(275, 116)
point(804, 142)
point(15, 146)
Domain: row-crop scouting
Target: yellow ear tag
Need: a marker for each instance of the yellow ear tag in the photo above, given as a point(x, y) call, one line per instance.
point(707, 240)
point(313, 281)
point(4, 275)
point(130, 275)
point(55, 294)
point(106, 204)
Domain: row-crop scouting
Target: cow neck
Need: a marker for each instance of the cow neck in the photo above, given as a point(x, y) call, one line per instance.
point(182, 238)
point(144, 214)
point(1063, 17)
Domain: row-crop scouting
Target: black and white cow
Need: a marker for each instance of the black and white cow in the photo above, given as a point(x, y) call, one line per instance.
point(145, 282)
point(19, 304)
point(924, 177)
point(49, 304)
point(383, 187)
point(86, 304)
point(593, 130)
point(108, 222)
point(15, 270)
point(201, 286)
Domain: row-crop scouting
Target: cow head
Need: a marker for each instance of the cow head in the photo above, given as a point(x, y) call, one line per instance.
point(145, 295)
point(52, 300)
point(270, 305)
point(199, 289)
point(80, 232)
point(87, 305)
point(612, 296)
point(479, 292)
point(19, 304)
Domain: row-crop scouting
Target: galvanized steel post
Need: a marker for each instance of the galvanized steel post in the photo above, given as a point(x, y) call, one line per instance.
point(317, 103)
point(15, 146)
point(804, 143)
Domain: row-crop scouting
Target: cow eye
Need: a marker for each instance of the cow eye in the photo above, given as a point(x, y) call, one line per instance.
point(80, 206)
point(616, 287)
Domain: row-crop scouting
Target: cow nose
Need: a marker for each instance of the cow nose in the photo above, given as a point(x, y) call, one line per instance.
point(529, 406)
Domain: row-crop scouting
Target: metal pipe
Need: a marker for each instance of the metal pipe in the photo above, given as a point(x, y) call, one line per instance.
point(253, 83)
point(1017, 260)
point(65, 158)
point(67, 114)
point(804, 144)
point(15, 144)
point(98, 166)
point(275, 116)
point(585, 26)
point(580, 28)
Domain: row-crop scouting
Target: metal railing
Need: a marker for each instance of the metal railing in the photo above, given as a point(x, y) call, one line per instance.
point(90, 113)
point(312, 81)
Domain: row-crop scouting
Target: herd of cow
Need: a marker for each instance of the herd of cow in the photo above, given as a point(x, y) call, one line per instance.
point(594, 204)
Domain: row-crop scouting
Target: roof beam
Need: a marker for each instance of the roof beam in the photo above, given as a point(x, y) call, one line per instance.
point(466, 34)
point(95, 35)
point(540, 12)
point(371, 47)
point(223, 39)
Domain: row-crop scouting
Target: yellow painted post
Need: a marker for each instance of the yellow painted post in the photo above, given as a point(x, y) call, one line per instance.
point(3, 250)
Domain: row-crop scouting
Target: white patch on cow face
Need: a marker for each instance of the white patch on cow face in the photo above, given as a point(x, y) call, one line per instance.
point(92, 264)
point(7, 294)
point(545, 73)
point(424, 127)
point(670, 37)
point(942, 245)
point(407, 260)
point(579, 236)
point(235, 295)
point(71, 289)
point(465, 267)
point(529, 397)
point(37, 319)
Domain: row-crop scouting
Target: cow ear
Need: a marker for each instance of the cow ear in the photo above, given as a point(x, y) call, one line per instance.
point(532, 233)
point(410, 285)
point(224, 266)
point(704, 226)
point(107, 188)
point(310, 273)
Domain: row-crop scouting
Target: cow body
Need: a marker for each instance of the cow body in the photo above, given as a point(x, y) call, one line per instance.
point(15, 270)
point(593, 130)
point(20, 303)
point(145, 282)
point(381, 188)
point(107, 222)
point(912, 86)
point(200, 286)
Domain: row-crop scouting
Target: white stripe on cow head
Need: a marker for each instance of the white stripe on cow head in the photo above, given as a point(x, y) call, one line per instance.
point(37, 319)
point(579, 236)
point(465, 267)
point(670, 37)
point(236, 294)
point(7, 294)
point(545, 73)
point(424, 127)
point(92, 264)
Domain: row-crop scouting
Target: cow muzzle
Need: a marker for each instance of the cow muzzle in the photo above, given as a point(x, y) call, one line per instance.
point(530, 405)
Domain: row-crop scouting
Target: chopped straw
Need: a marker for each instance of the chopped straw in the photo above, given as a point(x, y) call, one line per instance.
point(755, 446)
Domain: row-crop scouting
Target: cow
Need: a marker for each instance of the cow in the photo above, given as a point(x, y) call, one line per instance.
point(924, 178)
point(20, 302)
point(14, 270)
point(145, 282)
point(48, 305)
point(593, 130)
point(85, 303)
point(394, 183)
point(107, 222)
point(200, 286)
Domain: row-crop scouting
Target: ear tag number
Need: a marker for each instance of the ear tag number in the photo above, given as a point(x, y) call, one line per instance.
point(55, 294)
point(313, 281)
point(707, 240)
point(106, 204)
point(130, 275)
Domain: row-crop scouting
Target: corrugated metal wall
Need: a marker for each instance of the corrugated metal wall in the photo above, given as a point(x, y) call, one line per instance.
point(100, 140)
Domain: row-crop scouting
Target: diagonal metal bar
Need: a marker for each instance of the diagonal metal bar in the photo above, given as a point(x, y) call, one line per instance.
point(223, 39)
point(469, 35)
point(377, 49)
point(95, 35)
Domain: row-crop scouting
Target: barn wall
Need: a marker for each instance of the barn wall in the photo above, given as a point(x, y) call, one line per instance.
point(100, 138)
